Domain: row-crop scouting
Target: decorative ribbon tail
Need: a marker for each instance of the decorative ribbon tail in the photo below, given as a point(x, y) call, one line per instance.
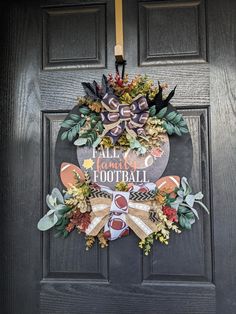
point(138, 219)
point(99, 215)
point(141, 227)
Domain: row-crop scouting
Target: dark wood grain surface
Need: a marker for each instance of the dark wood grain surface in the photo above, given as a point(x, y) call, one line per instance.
point(20, 159)
point(41, 274)
point(222, 59)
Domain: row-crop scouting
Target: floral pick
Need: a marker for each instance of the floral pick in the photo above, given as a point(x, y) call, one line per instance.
point(55, 202)
point(184, 204)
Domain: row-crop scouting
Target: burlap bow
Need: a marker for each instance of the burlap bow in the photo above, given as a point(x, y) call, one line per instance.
point(118, 117)
point(118, 212)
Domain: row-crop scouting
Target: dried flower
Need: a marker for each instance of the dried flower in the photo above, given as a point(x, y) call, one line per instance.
point(78, 220)
point(102, 240)
point(89, 240)
point(106, 142)
point(170, 213)
point(160, 198)
point(95, 106)
point(122, 186)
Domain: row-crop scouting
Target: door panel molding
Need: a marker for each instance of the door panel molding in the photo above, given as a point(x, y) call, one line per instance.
point(171, 32)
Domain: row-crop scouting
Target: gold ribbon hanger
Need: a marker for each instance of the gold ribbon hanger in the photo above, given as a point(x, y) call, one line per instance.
point(119, 47)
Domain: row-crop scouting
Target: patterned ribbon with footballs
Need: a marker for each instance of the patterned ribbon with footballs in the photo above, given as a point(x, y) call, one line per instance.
point(119, 117)
point(119, 213)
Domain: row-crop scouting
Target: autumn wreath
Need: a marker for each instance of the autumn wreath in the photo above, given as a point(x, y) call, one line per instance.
point(132, 116)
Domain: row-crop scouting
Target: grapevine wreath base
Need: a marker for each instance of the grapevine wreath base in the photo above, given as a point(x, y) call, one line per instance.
point(135, 119)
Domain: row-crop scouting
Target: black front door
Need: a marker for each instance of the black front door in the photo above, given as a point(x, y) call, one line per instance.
point(47, 50)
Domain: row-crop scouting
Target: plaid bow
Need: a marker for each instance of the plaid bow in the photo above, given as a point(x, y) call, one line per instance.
point(119, 117)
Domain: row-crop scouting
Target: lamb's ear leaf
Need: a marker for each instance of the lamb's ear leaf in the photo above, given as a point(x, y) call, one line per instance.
point(49, 202)
point(198, 196)
point(50, 212)
point(203, 206)
point(183, 184)
point(47, 222)
point(190, 199)
point(57, 194)
point(80, 141)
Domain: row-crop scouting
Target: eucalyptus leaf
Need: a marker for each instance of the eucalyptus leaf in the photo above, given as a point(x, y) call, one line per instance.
point(70, 136)
point(171, 115)
point(152, 111)
point(68, 123)
point(64, 135)
point(182, 122)
point(82, 122)
point(177, 131)
point(74, 131)
point(169, 128)
point(161, 113)
point(47, 222)
point(99, 126)
point(183, 130)
point(75, 117)
point(84, 110)
point(177, 118)
point(80, 141)
point(97, 142)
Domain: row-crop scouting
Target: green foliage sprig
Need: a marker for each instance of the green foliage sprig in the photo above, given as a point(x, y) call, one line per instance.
point(60, 227)
point(184, 204)
point(173, 121)
point(57, 210)
point(75, 123)
point(91, 136)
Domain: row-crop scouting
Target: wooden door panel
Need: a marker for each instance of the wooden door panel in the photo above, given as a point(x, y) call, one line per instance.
point(180, 298)
point(171, 32)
